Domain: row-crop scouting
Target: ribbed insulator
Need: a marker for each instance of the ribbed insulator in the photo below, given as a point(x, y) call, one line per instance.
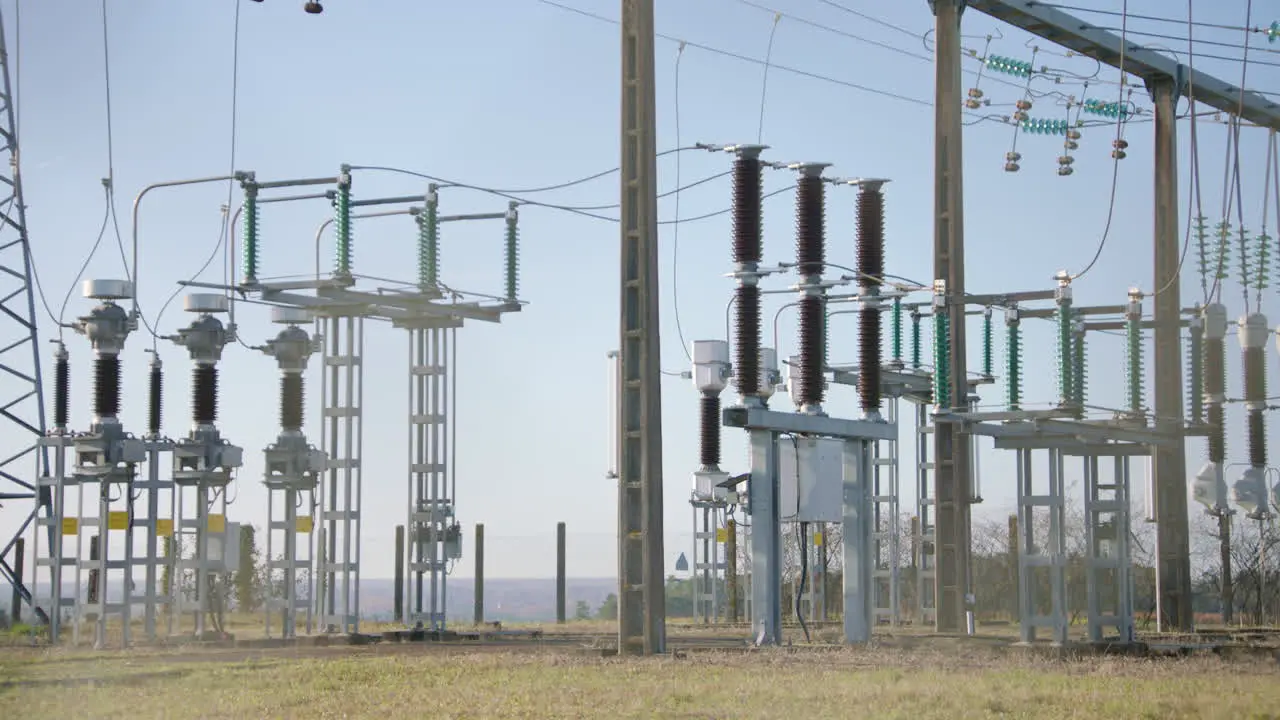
point(988, 350)
point(916, 342)
point(811, 243)
point(1215, 367)
point(1195, 376)
point(1013, 366)
point(812, 347)
point(870, 237)
point(342, 230)
point(897, 332)
point(1079, 372)
point(250, 212)
point(511, 261)
point(155, 400)
point(747, 350)
point(61, 393)
point(941, 358)
point(1257, 439)
point(429, 246)
point(748, 245)
point(710, 431)
point(291, 401)
point(1255, 375)
point(1217, 434)
point(106, 386)
point(204, 394)
point(1066, 384)
point(1136, 371)
point(869, 359)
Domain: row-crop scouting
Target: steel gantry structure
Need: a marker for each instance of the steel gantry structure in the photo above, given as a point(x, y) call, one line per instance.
point(1167, 80)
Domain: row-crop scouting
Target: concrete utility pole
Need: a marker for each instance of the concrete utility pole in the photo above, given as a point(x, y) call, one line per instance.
point(641, 594)
point(1169, 462)
point(951, 444)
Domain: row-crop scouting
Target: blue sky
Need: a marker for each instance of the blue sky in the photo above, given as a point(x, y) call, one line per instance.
point(518, 93)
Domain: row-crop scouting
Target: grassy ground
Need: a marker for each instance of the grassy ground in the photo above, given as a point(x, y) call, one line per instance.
point(933, 680)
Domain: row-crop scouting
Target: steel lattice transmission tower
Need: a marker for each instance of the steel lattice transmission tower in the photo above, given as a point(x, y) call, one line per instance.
point(22, 421)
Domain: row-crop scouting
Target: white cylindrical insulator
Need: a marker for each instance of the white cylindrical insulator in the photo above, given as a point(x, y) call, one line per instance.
point(1253, 331)
point(1215, 321)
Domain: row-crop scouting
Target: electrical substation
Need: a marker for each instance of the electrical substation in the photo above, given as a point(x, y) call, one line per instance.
point(314, 493)
point(129, 523)
point(809, 469)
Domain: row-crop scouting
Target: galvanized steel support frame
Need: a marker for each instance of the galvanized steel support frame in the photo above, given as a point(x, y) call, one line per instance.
point(1032, 557)
point(431, 501)
point(342, 439)
point(886, 496)
point(707, 566)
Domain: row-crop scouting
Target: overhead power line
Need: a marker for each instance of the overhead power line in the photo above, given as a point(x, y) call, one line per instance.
point(748, 58)
point(1153, 18)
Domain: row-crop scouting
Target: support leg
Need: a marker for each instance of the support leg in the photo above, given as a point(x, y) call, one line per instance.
point(859, 549)
point(766, 540)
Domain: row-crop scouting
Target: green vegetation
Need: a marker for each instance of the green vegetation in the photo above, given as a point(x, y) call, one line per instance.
point(423, 681)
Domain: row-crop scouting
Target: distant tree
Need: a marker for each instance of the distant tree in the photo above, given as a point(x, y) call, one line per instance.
point(608, 609)
point(582, 611)
point(247, 582)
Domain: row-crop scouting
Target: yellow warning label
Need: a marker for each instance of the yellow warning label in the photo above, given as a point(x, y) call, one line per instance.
point(117, 520)
point(817, 539)
point(304, 524)
point(164, 527)
point(722, 535)
point(217, 523)
point(70, 526)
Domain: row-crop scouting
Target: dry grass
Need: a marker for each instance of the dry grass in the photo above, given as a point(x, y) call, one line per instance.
point(416, 681)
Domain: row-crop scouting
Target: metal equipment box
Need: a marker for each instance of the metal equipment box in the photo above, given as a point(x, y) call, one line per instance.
point(810, 479)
